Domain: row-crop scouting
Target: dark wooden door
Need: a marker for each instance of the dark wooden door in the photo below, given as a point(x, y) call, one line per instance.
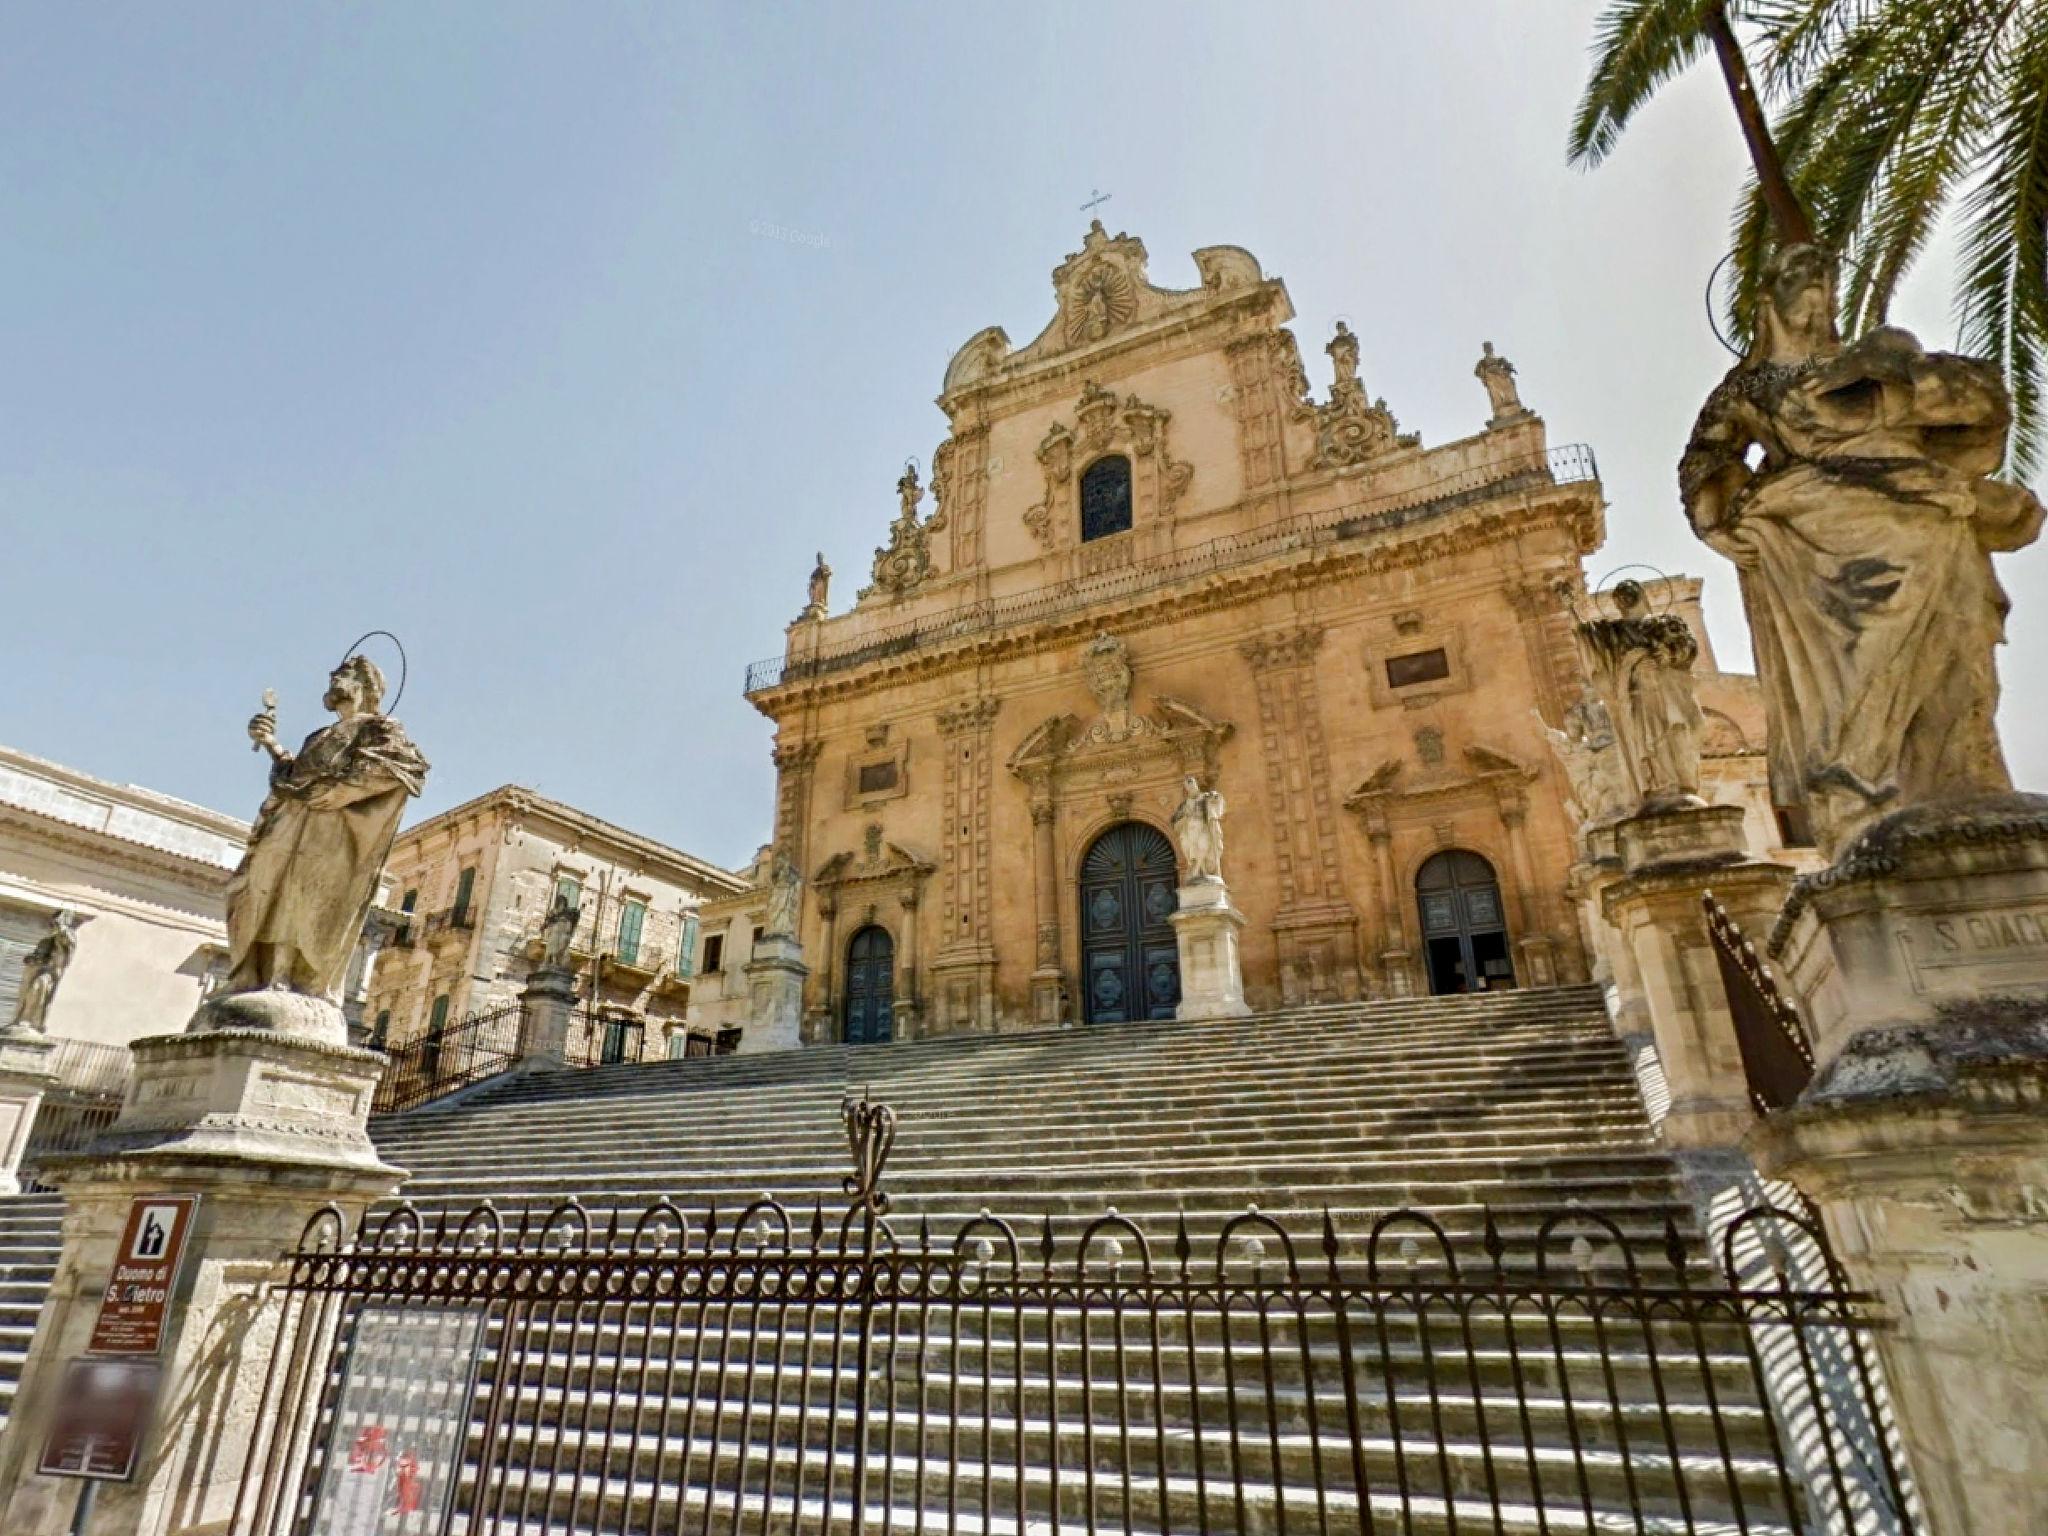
point(1464, 927)
point(870, 986)
point(1130, 964)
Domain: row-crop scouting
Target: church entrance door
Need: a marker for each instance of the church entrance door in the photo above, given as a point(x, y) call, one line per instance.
point(1464, 933)
point(870, 986)
point(1130, 961)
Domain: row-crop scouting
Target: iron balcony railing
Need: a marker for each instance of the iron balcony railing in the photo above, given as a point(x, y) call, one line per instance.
point(92, 1068)
point(1571, 464)
point(1776, 1059)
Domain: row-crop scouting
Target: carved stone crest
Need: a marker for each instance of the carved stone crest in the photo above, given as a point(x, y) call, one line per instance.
point(1104, 423)
point(1352, 428)
point(902, 565)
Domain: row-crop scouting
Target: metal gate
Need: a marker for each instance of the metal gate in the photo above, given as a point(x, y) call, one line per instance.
point(770, 1370)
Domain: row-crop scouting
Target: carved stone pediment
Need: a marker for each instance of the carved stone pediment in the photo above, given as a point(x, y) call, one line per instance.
point(1487, 773)
point(881, 863)
point(1180, 736)
point(1353, 428)
point(1103, 293)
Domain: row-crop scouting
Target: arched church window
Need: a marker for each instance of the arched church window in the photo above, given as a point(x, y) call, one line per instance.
point(1106, 497)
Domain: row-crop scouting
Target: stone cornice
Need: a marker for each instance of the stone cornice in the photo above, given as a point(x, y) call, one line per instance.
point(1574, 508)
point(108, 848)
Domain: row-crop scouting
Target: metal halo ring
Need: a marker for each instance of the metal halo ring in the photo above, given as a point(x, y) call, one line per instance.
point(1637, 565)
point(402, 665)
point(1841, 258)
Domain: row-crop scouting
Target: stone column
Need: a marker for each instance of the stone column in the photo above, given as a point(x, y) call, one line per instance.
point(547, 1009)
point(1048, 985)
point(25, 1076)
point(818, 1026)
point(1669, 857)
point(1922, 958)
point(266, 1126)
point(775, 995)
point(1206, 926)
point(1396, 961)
point(1539, 951)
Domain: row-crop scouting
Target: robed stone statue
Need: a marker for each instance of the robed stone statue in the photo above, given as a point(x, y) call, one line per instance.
point(1199, 824)
point(42, 968)
point(297, 901)
point(785, 897)
point(1642, 663)
point(1851, 487)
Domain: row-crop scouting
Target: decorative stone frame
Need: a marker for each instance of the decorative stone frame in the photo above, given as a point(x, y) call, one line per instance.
point(1407, 636)
point(1107, 426)
point(851, 891)
point(1082, 781)
point(1389, 810)
point(856, 762)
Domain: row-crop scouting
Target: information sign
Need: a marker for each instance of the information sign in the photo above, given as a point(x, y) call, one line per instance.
point(137, 1299)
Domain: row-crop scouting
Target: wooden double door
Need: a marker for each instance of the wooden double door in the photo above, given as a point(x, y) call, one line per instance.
point(1130, 961)
point(870, 986)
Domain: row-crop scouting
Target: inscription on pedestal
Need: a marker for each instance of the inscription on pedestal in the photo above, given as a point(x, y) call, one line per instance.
point(1997, 947)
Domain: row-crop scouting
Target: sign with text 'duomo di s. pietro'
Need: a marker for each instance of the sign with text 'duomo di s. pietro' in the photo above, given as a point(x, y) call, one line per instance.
point(137, 1300)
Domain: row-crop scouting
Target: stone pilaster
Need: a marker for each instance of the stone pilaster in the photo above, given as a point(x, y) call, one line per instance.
point(25, 1076)
point(1206, 926)
point(1922, 958)
point(1669, 858)
point(1048, 983)
point(963, 969)
point(266, 1127)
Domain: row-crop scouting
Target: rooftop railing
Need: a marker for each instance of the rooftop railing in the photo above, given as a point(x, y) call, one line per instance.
point(1568, 465)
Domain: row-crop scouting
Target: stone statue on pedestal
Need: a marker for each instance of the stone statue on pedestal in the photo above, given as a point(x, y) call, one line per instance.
point(819, 591)
point(1586, 750)
point(1863, 536)
point(42, 968)
point(1199, 824)
point(785, 897)
point(1498, 375)
point(556, 930)
point(296, 903)
point(1642, 663)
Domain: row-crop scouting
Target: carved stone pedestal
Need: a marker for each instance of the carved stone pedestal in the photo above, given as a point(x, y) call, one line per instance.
point(547, 1007)
point(1048, 998)
point(1922, 957)
point(266, 1128)
point(775, 995)
point(1206, 926)
point(1668, 858)
point(25, 1076)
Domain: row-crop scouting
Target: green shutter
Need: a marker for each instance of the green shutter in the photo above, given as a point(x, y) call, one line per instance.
point(686, 947)
point(632, 917)
point(438, 1019)
point(465, 887)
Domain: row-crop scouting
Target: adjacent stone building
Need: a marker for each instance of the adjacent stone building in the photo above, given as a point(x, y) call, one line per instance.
point(1153, 550)
point(472, 885)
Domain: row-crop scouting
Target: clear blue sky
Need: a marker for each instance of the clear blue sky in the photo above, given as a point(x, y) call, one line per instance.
point(464, 321)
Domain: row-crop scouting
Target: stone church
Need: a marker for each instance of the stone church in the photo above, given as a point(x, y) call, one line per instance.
point(1152, 551)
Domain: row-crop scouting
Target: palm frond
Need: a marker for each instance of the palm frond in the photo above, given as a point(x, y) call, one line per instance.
point(1637, 46)
point(2003, 302)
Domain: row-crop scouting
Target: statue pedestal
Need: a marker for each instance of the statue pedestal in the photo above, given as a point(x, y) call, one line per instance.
point(266, 1128)
point(1668, 858)
point(547, 1008)
point(1206, 926)
point(25, 1076)
point(775, 995)
point(1922, 958)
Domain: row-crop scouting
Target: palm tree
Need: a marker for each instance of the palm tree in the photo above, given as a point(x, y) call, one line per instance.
point(1892, 114)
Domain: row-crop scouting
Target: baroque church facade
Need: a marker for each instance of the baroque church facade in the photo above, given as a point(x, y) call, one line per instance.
point(1152, 551)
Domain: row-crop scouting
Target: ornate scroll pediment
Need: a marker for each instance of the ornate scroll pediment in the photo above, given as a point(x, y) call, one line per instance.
point(1183, 737)
point(1104, 424)
point(1489, 774)
point(880, 861)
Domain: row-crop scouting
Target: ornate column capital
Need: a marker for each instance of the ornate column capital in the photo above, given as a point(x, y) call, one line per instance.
point(1283, 648)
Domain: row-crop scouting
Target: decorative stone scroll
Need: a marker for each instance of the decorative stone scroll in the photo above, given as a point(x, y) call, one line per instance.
point(1353, 428)
point(902, 564)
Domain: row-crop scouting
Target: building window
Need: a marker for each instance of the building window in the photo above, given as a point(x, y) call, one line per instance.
point(1106, 497)
point(678, 1046)
point(1795, 827)
point(411, 900)
point(757, 935)
point(465, 889)
point(714, 953)
point(632, 919)
point(686, 946)
point(1431, 666)
point(568, 888)
point(430, 1048)
point(877, 777)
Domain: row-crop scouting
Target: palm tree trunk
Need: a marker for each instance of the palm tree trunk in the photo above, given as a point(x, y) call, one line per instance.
point(1787, 212)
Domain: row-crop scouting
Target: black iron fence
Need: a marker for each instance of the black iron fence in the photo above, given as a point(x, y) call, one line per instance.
point(1569, 464)
point(673, 1369)
point(437, 1063)
point(1776, 1059)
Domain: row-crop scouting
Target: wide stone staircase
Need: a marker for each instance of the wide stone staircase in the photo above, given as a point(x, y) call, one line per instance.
point(1491, 1113)
point(30, 1240)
